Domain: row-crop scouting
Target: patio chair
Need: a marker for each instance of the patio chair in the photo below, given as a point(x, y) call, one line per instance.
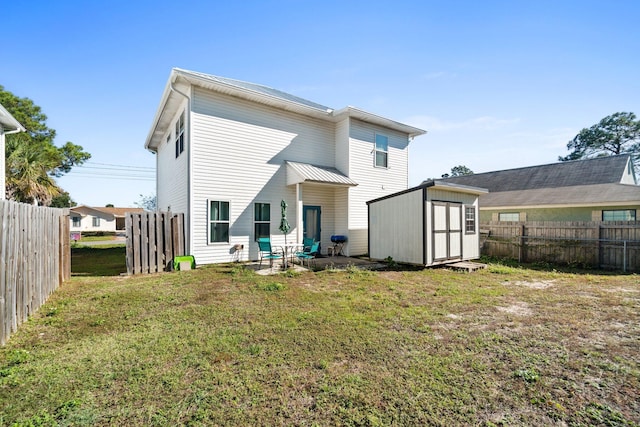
point(309, 255)
point(307, 242)
point(266, 251)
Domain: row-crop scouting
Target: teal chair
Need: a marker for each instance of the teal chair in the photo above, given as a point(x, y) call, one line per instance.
point(266, 251)
point(309, 255)
point(306, 243)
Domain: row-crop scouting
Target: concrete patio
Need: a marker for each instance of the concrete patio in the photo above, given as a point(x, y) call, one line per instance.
point(322, 263)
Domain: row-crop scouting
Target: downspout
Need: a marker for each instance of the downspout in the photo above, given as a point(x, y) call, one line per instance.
point(189, 225)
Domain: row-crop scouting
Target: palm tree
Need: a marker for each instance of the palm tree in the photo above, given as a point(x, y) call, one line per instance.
point(27, 176)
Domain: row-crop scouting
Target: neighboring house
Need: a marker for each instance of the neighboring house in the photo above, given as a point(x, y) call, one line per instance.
point(229, 151)
point(8, 125)
point(598, 189)
point(86, 218)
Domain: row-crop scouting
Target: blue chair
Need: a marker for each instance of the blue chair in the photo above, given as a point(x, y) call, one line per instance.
point(266, 251)
point(308, 255)
point(306, 243)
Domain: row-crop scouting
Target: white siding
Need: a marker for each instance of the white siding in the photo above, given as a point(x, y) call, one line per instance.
point(397, 228)
point(323, 196)
point(373, 182)
point(172, 184)
point(107, 223)
point(239, 149)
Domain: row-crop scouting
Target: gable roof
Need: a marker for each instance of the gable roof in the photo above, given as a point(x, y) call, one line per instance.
point(599, 170)
point(260, 94)
point(560, 197)
point(110, 212)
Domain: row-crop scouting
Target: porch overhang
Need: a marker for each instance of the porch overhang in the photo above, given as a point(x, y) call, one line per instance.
point(305, 173)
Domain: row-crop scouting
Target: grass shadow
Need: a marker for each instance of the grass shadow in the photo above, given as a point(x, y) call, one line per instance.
point(98, 261)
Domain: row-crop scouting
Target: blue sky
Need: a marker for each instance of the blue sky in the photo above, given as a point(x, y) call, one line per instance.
point(497, 84)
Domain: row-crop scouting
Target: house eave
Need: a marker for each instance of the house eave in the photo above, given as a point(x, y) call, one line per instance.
point(368, 117)
point(560, 205)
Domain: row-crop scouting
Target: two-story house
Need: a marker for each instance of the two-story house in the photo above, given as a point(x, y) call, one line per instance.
point(229, 151)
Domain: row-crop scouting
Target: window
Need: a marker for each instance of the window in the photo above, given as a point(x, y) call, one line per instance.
point(470, 219)
point(218, 221)
point(180, 135)
point(619, 215)
point(382, 151)
point(508, 216)
point(76, 221)
point(262, 218)
point(96, 221)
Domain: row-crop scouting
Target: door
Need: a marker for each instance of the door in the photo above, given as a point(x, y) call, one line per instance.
point(311, 222)
point(447, 231)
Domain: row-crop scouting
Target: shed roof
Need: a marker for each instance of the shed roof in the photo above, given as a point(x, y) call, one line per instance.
point(304, 172)
point(599, 170)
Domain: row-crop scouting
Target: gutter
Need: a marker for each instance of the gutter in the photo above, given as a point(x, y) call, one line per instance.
point(187, 125)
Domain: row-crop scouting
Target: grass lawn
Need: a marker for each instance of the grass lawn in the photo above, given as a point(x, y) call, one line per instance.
point(223, 346)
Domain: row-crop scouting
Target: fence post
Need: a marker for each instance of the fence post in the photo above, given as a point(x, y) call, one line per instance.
point(624, 256)
point(523, 243)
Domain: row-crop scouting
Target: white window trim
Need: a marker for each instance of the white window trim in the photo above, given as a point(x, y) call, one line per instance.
point(475, 219)
point(375, 151)
point(209, 242)
point(179, 146)
point(255, 238)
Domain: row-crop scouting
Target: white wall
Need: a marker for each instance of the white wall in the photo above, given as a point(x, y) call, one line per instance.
point(397, 228)
point(107, 223)
point(239, 149)
point(373, 182)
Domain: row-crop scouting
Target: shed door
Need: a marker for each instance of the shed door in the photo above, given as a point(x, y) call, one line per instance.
point(447, 231)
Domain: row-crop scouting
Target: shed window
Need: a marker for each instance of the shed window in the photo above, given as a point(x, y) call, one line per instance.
point(619, 215)
point(180, 135)
point(470, 219)
point(508, 216)
point(218, 221)
point(382, 151)
point(262, 220)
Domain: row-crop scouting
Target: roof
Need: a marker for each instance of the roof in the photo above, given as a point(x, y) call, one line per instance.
point(611, 194)
point(436, 185)
point(307, 173)
point(599, 170)
point(8, 122)
point(115, 212)
point(259, 94)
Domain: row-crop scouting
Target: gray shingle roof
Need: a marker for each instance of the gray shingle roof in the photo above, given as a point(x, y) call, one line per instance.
point(577, 195)
point(600, 170)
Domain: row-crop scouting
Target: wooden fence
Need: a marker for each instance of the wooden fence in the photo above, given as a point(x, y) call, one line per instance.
point(35, 258)
point(153, 240)
point(610, 245)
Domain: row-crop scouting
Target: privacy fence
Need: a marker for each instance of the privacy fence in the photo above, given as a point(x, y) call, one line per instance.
point(609, 245)
point(153, 240)
point(35, 258)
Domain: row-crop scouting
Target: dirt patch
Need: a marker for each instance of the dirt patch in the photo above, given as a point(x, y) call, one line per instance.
point(533, 285)
point(519, 309)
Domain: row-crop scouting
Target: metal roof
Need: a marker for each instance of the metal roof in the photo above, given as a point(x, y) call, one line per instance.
point(260, 94)
point(298, 173)
point(600, 170)
point(578, 195)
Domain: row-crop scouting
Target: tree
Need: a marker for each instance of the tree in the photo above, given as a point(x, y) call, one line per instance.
point(62, 200)
point(109, 205)
point(618, 133)
point(148, 203)
point(459, 170)
point(32, 159)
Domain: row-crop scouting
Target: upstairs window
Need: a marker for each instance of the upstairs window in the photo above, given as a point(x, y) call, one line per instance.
point(262, 220)
point(619, 215)
point(382, 151)
point(180, 135)
point(470, 219)
point(218, 221)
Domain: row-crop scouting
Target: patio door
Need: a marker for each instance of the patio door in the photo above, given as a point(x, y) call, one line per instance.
point(447, 231)
point(311, 222)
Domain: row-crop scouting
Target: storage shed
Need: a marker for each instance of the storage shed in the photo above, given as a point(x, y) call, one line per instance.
point(433, 223)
